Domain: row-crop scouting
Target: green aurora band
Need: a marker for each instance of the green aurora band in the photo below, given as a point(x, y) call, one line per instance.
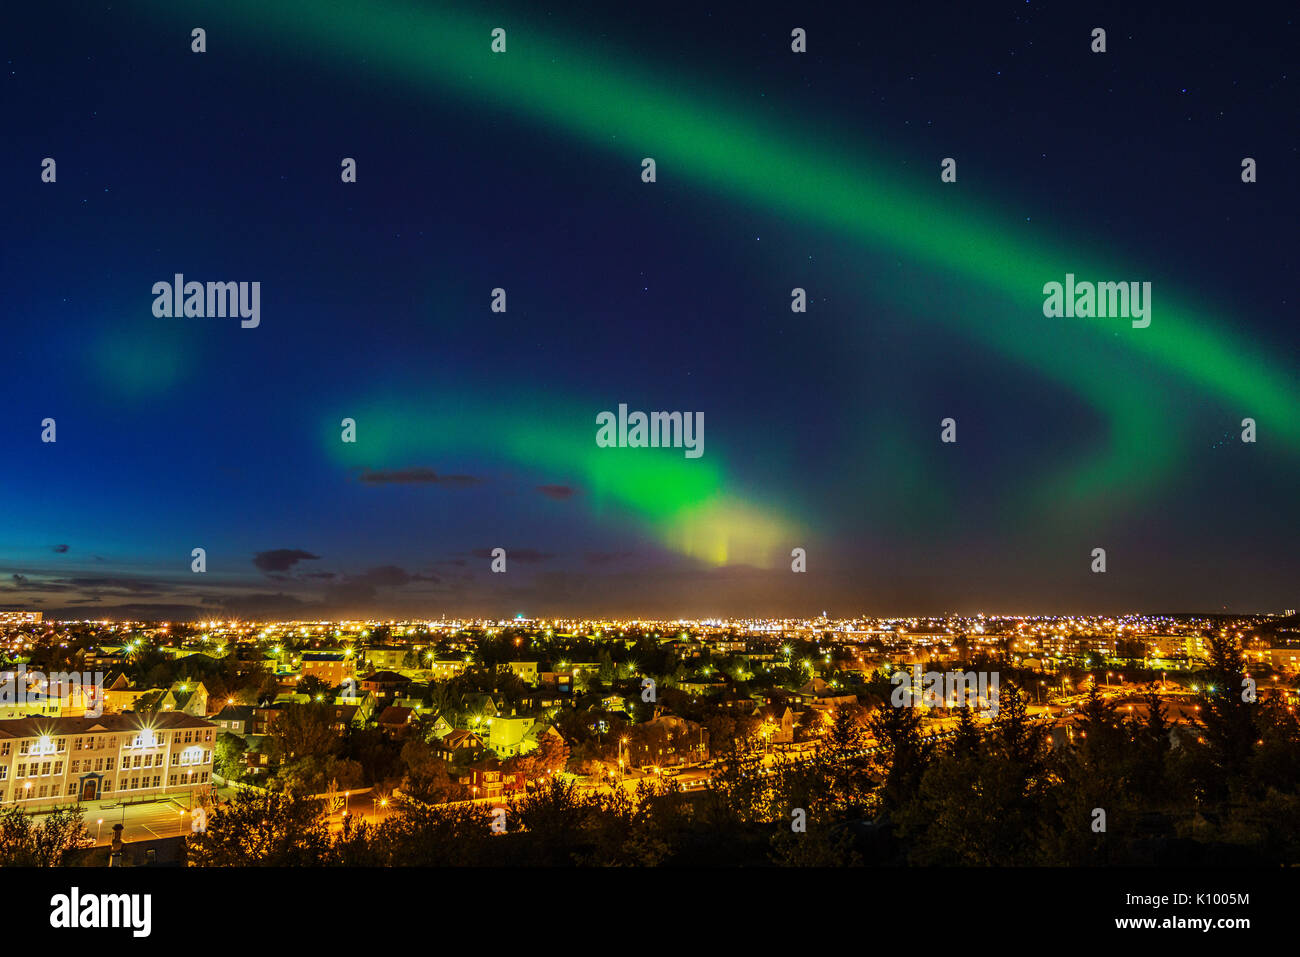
point(614, 104)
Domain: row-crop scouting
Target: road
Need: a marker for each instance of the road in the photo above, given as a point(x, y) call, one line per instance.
point(166, 817)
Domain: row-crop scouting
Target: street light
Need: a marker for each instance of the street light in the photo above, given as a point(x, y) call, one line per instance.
point(99, 830)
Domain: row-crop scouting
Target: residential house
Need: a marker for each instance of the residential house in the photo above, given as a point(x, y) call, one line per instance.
point(489, 782)
point(187, 698)
point(453, 744)
point(384, 684)
point(397, 722)
point(235, 718)
point(507, 735)
point(331, 667)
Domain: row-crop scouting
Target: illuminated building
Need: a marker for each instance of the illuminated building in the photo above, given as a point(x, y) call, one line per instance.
point(48, 762)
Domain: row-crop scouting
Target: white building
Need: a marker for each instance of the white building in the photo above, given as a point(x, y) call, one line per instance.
point(20, 617)
point(46, 762)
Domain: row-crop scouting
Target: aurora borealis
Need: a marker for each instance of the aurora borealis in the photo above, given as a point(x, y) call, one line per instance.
point(521, 170)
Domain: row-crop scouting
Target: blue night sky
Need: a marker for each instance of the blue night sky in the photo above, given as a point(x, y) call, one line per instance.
point(522, 170)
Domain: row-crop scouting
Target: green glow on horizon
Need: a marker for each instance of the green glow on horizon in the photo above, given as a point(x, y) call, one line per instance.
point(683, 501)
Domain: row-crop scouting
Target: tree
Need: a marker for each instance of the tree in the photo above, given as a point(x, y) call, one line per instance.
point(898, 730)
point(550, 756)
point(263, 829)
point(967, 737)
point(1016, 736)
point(846, 728)
point(228, 756)
point(427, 778)
point(23, 843)
point(305, 729)
point(149, 702)
point(315, 687)
point(1226, 719)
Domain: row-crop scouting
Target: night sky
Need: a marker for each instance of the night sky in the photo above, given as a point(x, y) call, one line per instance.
point(522, 170)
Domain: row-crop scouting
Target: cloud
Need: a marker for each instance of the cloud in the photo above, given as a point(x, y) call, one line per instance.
point(264, 605)
point(362, 591)
point(61, 549)
point(418, 476)
point(605, 558)
point(130, 586)
point(23, 583)
point(389, 576)
point(131, 612)
point(529, 556)
point(558, 492)
point(282, 559)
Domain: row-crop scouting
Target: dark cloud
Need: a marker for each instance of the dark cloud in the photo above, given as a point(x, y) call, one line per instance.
point(355, 593)
point(558, 492)
point(61, 549)
point(23, 583)
point(418, 476)
point(529, 556)
point(282, 559)
point(389, 576)
point(130, 612)
point(130, 586)
point(605, 558)
point(263, 605)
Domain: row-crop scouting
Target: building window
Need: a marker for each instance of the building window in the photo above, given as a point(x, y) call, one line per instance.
point(58, 767)
point(45, 791)
point(108, 785)
point(72, 788)
point(22, 771)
